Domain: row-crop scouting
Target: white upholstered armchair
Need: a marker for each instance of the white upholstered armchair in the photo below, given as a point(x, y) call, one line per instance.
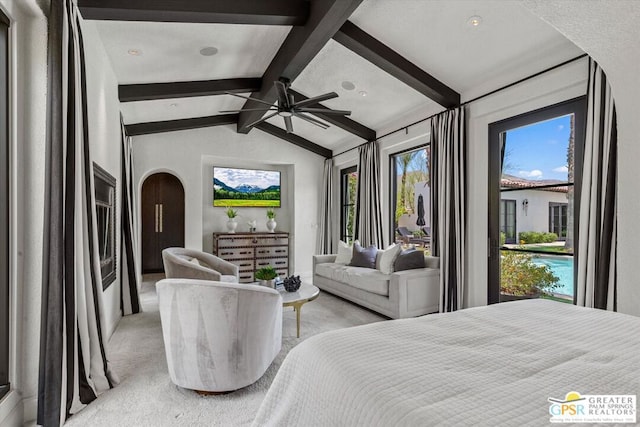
point(179, 264)
point(218, 336)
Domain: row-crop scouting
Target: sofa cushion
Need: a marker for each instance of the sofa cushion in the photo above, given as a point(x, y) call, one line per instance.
point(345, 252)
point(363, 257)
point(386, 258)
point(409, 260)
point(367, 279)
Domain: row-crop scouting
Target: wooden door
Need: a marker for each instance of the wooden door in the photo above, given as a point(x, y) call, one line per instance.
point(162, 219)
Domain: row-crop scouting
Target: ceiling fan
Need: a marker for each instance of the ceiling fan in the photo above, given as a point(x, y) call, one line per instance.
point(287, 107)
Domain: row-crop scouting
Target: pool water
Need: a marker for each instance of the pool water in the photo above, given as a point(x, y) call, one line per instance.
point(562, 267)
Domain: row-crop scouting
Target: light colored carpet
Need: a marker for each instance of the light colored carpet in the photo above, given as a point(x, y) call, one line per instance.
point(147, 397)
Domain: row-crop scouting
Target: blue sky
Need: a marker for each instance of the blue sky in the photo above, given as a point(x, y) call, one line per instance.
point(539, 151)
point(236, 177)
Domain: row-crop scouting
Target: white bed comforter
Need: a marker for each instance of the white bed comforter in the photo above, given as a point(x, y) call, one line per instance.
point(483, 366)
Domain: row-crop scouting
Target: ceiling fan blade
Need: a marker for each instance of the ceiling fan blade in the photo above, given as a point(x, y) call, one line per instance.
point(248, 109)
point(324, 111)
point(262, 119)
point(283, 98)
point(316, 99)
point(248, 97)
point(310, 119)
point(289, 124)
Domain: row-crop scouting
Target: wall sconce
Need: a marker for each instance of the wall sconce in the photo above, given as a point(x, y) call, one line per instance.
point(525, 205)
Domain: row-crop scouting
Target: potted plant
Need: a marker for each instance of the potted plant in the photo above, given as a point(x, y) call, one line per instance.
point(232, 223)
point(266, 275)
point(271, 220)
point(521, 278)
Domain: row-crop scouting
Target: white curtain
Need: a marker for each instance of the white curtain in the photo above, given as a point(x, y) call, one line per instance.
point(368, 215)
point(324, 243)
point(449, 204)
point(597, 234)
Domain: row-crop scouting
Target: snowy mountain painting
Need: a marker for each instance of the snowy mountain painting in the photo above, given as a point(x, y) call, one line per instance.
point(246, 187)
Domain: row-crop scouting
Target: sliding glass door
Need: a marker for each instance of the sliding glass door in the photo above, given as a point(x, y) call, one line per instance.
point(534, 186)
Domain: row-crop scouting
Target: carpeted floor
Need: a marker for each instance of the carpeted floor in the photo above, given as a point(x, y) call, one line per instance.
point(147, 397)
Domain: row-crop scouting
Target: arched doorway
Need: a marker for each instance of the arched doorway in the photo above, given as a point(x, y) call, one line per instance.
point(162, 218)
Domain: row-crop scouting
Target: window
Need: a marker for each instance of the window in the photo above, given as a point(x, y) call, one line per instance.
point(348, 186)
point(558, 219)
point(4, 206)
point(106, 219)
point(410, 195)
point(508, 221)
point(535, 175)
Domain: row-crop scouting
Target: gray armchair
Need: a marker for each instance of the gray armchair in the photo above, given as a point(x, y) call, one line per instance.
point(179, 264)
point(218, 336)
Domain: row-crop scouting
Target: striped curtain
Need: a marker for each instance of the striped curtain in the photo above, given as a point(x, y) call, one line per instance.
point(368, 215)
point(129, 298)
point(597, 233)
point(324, 243)
point(73, 364)
point(449, 204)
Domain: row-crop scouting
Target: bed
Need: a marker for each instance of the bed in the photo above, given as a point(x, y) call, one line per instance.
point(494, 365)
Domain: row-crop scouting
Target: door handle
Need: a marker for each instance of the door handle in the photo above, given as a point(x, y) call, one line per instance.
point(161, 218)
point(156, 217)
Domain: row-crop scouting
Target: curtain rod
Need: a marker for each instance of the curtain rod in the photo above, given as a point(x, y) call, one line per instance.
point(406, 127)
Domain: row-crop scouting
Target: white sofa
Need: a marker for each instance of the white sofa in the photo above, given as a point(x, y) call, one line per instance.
point(398, 295)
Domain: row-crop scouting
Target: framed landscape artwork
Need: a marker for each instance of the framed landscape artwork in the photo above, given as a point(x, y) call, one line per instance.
point(246, 187)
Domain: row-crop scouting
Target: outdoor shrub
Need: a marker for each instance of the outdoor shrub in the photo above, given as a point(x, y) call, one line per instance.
point(519, 275)
point(529, 237)
point(503, 238)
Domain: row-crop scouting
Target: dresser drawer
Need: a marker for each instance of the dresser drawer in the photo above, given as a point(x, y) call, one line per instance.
point(272, 240)
point(243, 264)
point(230, 254)
point(226, 242)
point(274, 262)
point(272, 251)
point(246, 277)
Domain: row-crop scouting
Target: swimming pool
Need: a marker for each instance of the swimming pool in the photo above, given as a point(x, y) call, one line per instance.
point(561, 267)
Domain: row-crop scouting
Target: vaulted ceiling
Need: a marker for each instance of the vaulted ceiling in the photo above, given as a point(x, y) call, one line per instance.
point(390, 61)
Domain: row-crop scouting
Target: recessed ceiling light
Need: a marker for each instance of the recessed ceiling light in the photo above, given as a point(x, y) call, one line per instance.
point(134, 52)
point(347, 85)
point(173, 105)
point(208, 51)
point(475, 21)
point(362, 93)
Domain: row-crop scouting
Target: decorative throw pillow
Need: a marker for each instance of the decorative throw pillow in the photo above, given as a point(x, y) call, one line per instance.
point(387, 257)
point(363, 257)
point(409, 260)
point(345, 252)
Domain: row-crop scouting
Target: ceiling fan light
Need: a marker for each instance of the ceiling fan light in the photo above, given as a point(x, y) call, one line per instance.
point(285, 113)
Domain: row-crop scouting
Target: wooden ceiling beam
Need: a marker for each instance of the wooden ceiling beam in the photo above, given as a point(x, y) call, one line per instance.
point(294, 139)
point(148, 128)
point(152, 91)
point(301, 45)
point(261, 12)
point(382, 56)
point(343, 122)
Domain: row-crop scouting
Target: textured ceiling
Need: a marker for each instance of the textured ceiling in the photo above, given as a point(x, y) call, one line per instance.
point(511, 43)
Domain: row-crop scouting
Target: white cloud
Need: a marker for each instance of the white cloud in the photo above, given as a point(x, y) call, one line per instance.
point(536, 173)
point(561, 169)
point(560, 127)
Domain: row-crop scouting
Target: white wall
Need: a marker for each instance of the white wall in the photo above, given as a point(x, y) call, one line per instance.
point(191, 155)
point(536, 215)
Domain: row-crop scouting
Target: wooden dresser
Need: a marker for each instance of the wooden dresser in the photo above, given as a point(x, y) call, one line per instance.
point(252, 251)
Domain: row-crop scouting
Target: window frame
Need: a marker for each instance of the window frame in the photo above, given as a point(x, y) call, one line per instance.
point(515, 219)
point(344, 173)
point(576, 106)
point(393, 184)
point(6, 311)
point(104, 179)
point(566, 213)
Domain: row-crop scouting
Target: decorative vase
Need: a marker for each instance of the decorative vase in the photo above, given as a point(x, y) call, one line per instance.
point(271, 225)
point(268, 283)
point(231, 225)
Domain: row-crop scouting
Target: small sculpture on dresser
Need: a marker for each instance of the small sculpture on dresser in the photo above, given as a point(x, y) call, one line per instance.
point(292, 284)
